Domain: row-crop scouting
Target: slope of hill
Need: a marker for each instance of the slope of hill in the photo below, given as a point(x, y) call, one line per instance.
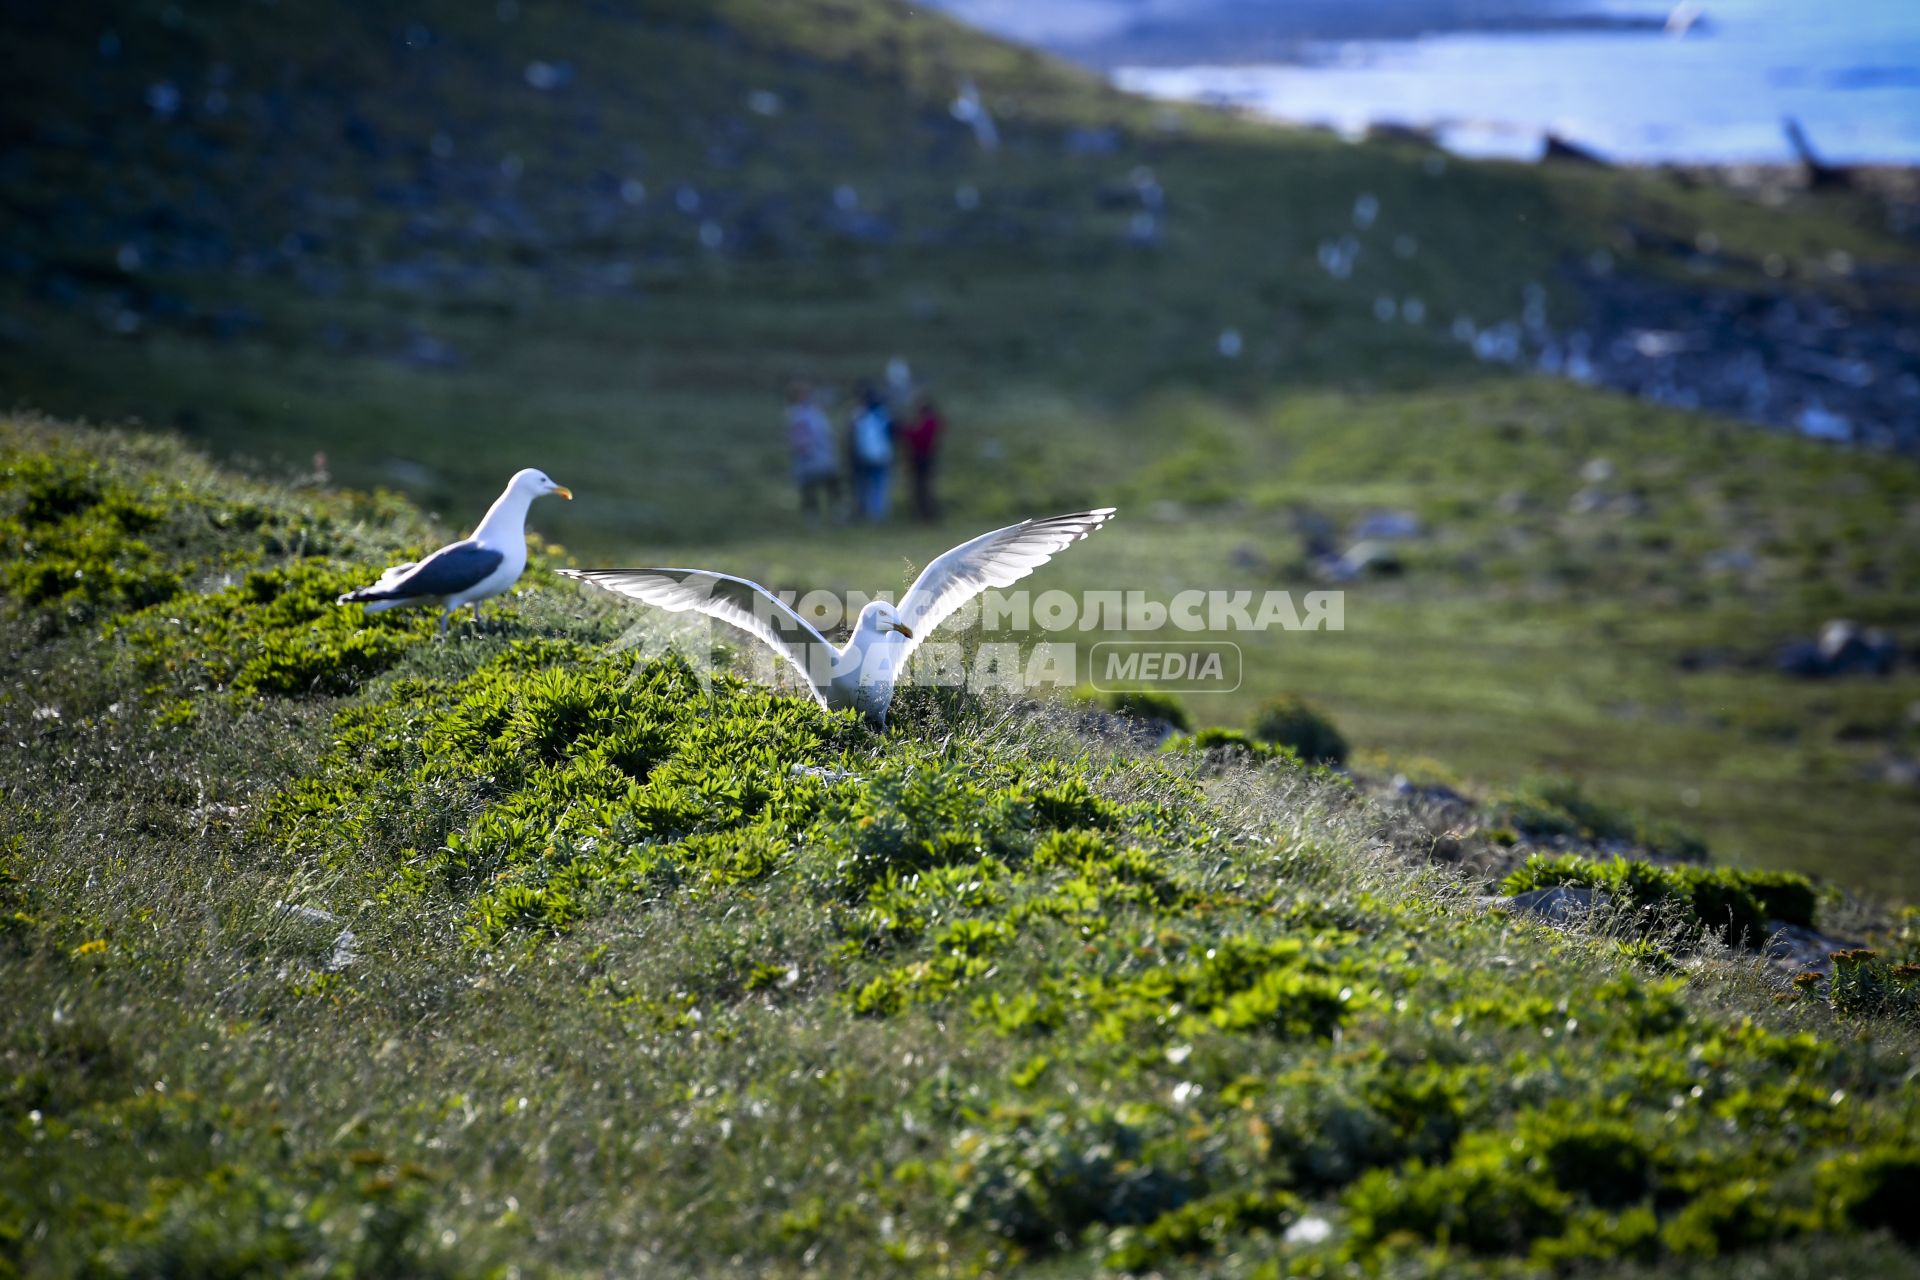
point(1598, 591)
point(440, 244)
point(334, 949)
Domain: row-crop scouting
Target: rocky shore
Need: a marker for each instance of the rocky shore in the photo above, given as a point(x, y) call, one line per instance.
point(1840, 365)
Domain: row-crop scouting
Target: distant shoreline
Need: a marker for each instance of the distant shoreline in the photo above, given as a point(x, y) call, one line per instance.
point(1106, 34)
point(1155, 45)
point(1889, 180)
point(1711, 79)
point(1718, 100)
point(1886, 179)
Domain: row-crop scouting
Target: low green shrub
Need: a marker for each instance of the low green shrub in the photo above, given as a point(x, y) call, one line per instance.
point(1298, 726)
point(234, 1222)
point(1874, 1190)
point(555, 775)
point(1603, 1160)
point(277, 631)
point(1199, 1228)
point(1479, 1202)
point(70, 539)
point(911, 820)
point(1560, 1188)
point(1734, 904)
point(1230, 744)
point(83, 539)
point(1138, 704)
point(1783, 895)
point(1042, 1180)
point(1734, 1217)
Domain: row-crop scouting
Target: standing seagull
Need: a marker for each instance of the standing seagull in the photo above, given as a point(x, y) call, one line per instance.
point(861, 673)
point(473, 569)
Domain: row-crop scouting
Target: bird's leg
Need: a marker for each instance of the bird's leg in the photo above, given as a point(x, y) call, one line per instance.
point(475, 606)
point(443, 623)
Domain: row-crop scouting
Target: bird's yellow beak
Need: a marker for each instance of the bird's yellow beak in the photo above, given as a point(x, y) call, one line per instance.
point(564, 492)
point(903, 629)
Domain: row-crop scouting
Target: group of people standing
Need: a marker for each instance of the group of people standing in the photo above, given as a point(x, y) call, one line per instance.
point(860, 463)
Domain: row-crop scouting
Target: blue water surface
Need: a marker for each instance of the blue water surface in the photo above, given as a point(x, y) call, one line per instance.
point(1713, 89)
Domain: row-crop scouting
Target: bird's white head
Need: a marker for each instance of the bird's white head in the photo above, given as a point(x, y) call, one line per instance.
point(534, 483)
point(879, 618)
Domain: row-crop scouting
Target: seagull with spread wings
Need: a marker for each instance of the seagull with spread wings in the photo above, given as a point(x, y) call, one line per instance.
point(861, 673)
point(473, 569)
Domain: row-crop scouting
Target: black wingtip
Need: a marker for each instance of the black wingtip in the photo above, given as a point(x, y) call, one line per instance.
point(1091, 520)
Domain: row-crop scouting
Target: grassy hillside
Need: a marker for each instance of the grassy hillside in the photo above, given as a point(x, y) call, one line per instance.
point(1529, 634)
point(331, 948)
point(440, 245)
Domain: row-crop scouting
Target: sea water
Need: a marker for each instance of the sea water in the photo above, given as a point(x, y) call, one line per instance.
point(1712, 88)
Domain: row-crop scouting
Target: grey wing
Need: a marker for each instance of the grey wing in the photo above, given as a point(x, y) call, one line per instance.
point(447, 572)
point(997, 559)
point(734, 601)
point(392, 575)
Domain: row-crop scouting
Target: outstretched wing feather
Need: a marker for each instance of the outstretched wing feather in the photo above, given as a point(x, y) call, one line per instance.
point(992, 560)
point(734, 601)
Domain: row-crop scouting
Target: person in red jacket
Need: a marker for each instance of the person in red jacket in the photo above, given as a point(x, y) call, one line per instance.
point(923, 443)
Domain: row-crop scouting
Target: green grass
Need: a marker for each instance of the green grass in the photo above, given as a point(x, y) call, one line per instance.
point(1527, 639)
point(625, 989)
point(1524, 640)
point(608, 987)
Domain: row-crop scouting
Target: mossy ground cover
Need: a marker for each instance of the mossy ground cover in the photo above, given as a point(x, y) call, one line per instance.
point(378, 184)
point(621, 972)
